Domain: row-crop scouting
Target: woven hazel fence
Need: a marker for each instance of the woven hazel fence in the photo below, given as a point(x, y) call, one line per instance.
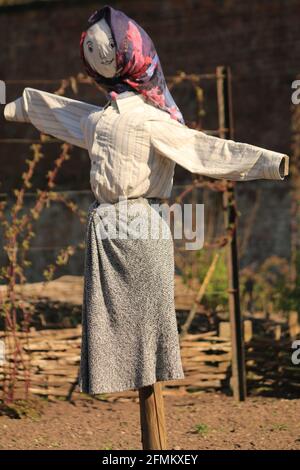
point(52, 359)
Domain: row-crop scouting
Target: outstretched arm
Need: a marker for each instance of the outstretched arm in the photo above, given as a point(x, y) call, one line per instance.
point(213, 156)
point(52, 114)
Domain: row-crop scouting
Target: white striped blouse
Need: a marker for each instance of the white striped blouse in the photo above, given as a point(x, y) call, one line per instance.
point(134, 146)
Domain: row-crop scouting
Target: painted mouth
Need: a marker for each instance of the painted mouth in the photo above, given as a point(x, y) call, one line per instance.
point(107, 62)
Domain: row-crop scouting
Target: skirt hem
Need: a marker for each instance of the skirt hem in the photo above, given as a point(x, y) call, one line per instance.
point(132, 386)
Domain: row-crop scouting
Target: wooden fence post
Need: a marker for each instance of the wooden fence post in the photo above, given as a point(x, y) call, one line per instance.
point(230, 217)
point(153, 427)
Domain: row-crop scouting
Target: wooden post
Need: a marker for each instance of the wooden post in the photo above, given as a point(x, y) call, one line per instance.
point(153, 428)
point(236, 323)
point(294, 327)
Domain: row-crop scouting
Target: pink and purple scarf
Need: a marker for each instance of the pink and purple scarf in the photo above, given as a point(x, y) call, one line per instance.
point(137, 61)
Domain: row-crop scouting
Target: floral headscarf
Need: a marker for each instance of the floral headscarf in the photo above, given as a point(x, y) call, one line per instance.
point(137, 62)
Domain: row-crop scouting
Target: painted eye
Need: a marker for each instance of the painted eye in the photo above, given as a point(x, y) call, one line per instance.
point(90, 46)
point(111, 43)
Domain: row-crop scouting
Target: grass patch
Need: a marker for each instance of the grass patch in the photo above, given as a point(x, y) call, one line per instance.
point(19, 409)
point(201, 428)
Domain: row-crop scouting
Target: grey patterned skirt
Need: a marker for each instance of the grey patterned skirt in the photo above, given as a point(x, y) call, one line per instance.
point(129, 329)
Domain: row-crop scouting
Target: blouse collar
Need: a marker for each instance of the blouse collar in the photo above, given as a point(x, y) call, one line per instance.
point(127, 100)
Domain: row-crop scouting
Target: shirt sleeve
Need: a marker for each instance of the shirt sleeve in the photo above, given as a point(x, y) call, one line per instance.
point(52, 114)
point(215, 157)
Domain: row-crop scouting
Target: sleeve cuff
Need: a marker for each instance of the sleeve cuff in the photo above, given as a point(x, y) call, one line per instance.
point(276, 165)
point(15, 111)
point(284, 166)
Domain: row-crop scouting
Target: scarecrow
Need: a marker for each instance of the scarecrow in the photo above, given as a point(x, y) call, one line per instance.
point(129, 331)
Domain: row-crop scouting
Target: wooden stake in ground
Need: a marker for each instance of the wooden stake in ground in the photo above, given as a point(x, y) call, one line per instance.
point(229, 201)
point(153, 427)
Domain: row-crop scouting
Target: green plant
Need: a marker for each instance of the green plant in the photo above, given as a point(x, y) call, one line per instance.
point(201, 428)
point(288, 294)
point(270, 286)
point(216, 292)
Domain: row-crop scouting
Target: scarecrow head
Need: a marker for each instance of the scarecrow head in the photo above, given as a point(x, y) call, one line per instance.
point(121, 56)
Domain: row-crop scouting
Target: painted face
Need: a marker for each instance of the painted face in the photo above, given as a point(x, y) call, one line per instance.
point(100, 50)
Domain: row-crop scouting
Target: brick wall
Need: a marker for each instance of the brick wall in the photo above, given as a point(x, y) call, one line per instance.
point(260, 40)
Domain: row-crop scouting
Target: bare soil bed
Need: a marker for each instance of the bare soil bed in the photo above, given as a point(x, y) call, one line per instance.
point(198, 421)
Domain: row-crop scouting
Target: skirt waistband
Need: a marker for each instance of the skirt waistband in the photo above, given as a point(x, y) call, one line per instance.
point(156, 200)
